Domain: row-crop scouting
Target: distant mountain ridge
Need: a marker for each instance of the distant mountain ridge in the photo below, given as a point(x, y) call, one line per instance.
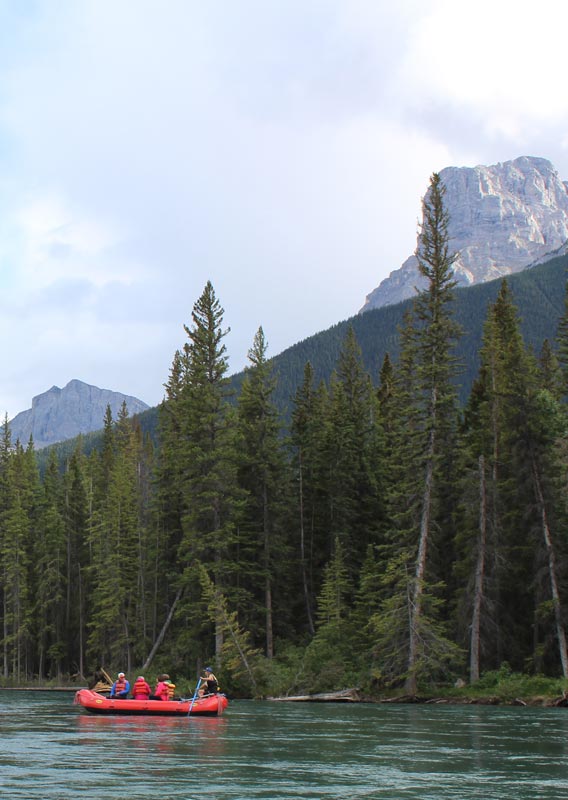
point(60, 414)
point(502, 219)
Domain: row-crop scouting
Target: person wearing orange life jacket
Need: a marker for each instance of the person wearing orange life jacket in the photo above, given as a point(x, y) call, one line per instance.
point(120, 687)
point(141, 689)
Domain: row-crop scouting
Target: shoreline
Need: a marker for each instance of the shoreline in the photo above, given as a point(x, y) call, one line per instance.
point(353, 696)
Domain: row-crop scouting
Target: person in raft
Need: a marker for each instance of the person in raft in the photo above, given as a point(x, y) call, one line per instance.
point(209, 683)
point(141, 689)
point(120, 687)
point(164, 688)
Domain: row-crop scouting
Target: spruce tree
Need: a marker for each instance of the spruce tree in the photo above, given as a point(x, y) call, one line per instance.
point(354, 455)
point(76, 517)
point(433, 405)
point(207, 451)
point(510, 442)
point(49, 605)
point(262, 474)
point(329, 656)
point(308, 435)
point(15, 555)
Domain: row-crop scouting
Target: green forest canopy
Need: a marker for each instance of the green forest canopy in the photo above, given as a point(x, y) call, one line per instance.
point(290, 560)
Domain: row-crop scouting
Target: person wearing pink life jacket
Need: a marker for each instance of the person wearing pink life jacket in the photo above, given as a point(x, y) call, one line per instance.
point(120, 688)
point(162, 690)
point(141, 689)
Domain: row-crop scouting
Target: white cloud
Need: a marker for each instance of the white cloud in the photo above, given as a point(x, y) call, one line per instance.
point(58, 244)
point(279, 149)
point(503, 56)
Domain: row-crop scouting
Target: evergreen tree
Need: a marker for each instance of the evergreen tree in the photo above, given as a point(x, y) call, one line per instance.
point(207, 450)
point(6, 493)
point(549, 370)
point(353, 454)
point(510, 439)
point(19, 515)
point(49, 607)
point(307, 437)
point(427, 405)
point(76, 518)
point(262, 474)
point(238, 654)
point(329, 655)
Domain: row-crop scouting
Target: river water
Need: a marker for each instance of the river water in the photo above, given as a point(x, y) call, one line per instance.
point(52, 750)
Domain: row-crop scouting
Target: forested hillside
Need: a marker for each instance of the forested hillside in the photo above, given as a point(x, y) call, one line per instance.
point(388, 537)
point(538, 294)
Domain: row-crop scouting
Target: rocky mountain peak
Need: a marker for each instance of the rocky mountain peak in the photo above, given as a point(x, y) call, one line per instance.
point(60, 414)
point(503, 218)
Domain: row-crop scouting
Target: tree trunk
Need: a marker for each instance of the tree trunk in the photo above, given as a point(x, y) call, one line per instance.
point(479, 577)
point(495, 520)
point(219, 633)
point(268, 581)
point(81, 644)
point(6, 631)
point(560, 631)
point(311, 626)
point(416, 607)
point(163, 632)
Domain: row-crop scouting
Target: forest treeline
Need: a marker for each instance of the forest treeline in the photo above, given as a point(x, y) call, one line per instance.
point(537, 292)
point(387, 536)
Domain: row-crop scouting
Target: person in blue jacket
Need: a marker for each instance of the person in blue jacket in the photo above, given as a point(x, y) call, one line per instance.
point(120, 687)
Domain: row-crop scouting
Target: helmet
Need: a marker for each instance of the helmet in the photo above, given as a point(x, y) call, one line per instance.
point(121, 674)
point(208, 669)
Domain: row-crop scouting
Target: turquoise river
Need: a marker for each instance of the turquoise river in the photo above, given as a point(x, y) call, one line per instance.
point(51, 750)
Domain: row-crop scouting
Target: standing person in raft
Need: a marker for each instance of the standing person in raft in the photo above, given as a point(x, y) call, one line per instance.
point(209, 682)
point(141, 689)
point(120, 688)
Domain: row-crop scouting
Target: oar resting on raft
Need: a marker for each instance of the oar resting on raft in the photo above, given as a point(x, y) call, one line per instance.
point(194, 696)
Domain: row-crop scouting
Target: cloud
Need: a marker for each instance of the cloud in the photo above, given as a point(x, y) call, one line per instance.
point(279, 149)
point(485, 60)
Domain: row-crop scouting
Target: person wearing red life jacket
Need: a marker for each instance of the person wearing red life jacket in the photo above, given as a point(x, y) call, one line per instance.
point(120, 688)
point(141, 689)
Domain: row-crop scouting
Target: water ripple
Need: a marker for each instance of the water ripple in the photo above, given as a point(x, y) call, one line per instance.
point(53, 751)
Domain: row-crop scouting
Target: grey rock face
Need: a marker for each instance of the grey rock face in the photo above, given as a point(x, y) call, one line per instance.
point(60, 414)
point(503, 218)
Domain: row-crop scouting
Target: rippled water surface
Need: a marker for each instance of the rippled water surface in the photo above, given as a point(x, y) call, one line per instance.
point(52, 750)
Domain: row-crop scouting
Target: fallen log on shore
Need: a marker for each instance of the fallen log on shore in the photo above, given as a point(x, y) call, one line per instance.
point(402, 698)
point(342, 696)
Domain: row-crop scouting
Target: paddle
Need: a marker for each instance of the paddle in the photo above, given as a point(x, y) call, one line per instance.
point(194, 696)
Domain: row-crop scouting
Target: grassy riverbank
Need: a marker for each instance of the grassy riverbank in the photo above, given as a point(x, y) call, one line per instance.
point(494, 688)
point(500, 687)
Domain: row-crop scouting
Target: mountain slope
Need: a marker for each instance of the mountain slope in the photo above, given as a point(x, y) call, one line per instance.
point(61, 414)
point(503, 218)
point(538, 294)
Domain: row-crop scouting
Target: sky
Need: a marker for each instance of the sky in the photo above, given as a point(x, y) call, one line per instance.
point(278, 148)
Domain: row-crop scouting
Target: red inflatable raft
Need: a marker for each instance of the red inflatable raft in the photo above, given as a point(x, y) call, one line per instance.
point(211, 705)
